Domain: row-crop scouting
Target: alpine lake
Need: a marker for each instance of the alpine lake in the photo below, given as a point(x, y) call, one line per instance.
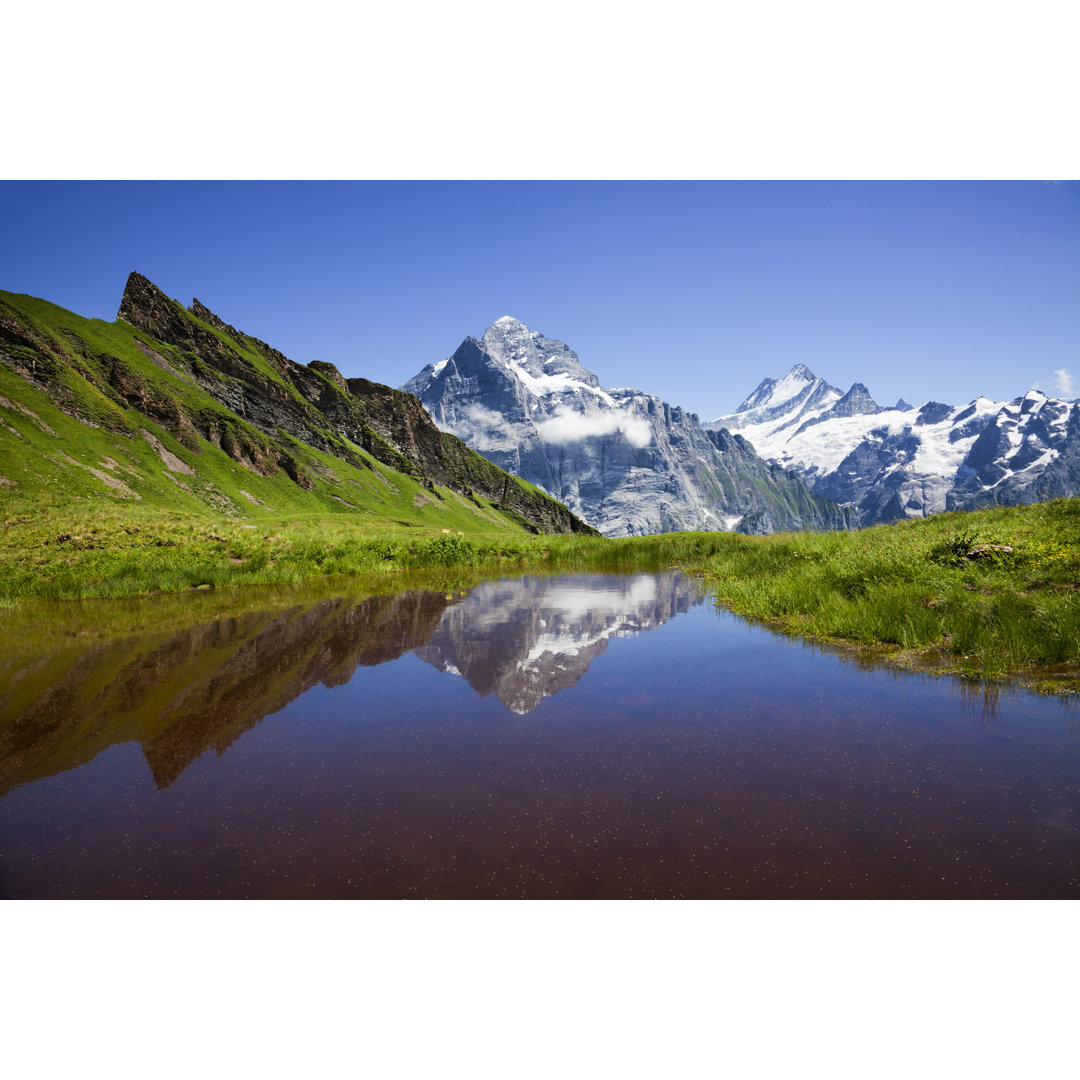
point(582, 736)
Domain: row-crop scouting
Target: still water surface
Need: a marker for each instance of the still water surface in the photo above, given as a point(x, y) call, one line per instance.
point(578, 737)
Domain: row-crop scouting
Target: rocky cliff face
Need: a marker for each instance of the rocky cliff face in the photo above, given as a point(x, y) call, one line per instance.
point(622, 459)
point(887, 464)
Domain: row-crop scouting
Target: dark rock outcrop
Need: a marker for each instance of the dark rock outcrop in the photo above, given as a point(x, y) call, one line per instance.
point(933, 412)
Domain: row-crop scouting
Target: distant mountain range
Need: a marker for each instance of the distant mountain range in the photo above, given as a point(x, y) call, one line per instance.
point(621, 459)
point(798, 453)
point(891, 463)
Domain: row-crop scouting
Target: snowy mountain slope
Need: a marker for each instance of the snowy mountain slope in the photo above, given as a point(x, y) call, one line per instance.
point(901, 462)
point(626, 461)
point(799, 396)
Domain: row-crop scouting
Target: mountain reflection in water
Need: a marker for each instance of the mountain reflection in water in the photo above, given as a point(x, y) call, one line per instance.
point(179, 694)
point(526, 638)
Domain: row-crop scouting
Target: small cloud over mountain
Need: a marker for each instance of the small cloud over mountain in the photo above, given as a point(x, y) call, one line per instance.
point(567, 426)
point(1061, 383)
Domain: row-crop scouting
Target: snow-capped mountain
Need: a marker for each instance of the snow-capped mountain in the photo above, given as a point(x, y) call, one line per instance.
point(622, 459)
point(890, 463)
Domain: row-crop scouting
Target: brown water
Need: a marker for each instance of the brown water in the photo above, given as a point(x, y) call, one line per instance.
point(577, 737)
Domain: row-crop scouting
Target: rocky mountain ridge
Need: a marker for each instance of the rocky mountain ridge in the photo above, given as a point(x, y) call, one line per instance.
point(186, 383)
point(622, 459)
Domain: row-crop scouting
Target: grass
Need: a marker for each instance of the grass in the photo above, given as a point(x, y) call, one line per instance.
point(912, 591)
point(65, 553)
point(909, 592)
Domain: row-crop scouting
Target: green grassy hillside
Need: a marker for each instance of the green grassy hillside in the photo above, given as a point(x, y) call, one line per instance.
point(107, 430)
point(95, 452)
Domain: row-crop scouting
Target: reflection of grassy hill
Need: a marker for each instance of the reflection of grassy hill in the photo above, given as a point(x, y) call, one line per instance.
point(171, 411)
point(72, 686)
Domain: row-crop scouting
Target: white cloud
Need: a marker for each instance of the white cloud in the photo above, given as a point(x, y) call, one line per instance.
point(483, 429)
point(569, 426)
point(478, 417)
point(1064, 381)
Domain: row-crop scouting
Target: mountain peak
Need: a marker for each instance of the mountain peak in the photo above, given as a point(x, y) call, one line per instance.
point(511, 344)
point(856, 402)
point(621, 457)
point(795, 388)
point(507, 336)
point(147, 308)
point(141, 297)
point(506, 326)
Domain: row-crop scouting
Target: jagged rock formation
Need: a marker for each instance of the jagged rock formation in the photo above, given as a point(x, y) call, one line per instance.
point(887, 464)
point(622, 459)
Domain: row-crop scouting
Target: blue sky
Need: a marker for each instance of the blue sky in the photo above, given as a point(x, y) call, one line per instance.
point(694, 291)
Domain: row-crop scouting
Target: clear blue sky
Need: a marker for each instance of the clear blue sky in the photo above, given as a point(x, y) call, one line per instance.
point(693, 291)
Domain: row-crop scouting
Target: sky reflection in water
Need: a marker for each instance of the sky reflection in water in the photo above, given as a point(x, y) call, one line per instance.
point(529, 739)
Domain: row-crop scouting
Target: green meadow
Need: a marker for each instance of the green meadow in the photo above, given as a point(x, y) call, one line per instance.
point(66, 553)
point(987, 594)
